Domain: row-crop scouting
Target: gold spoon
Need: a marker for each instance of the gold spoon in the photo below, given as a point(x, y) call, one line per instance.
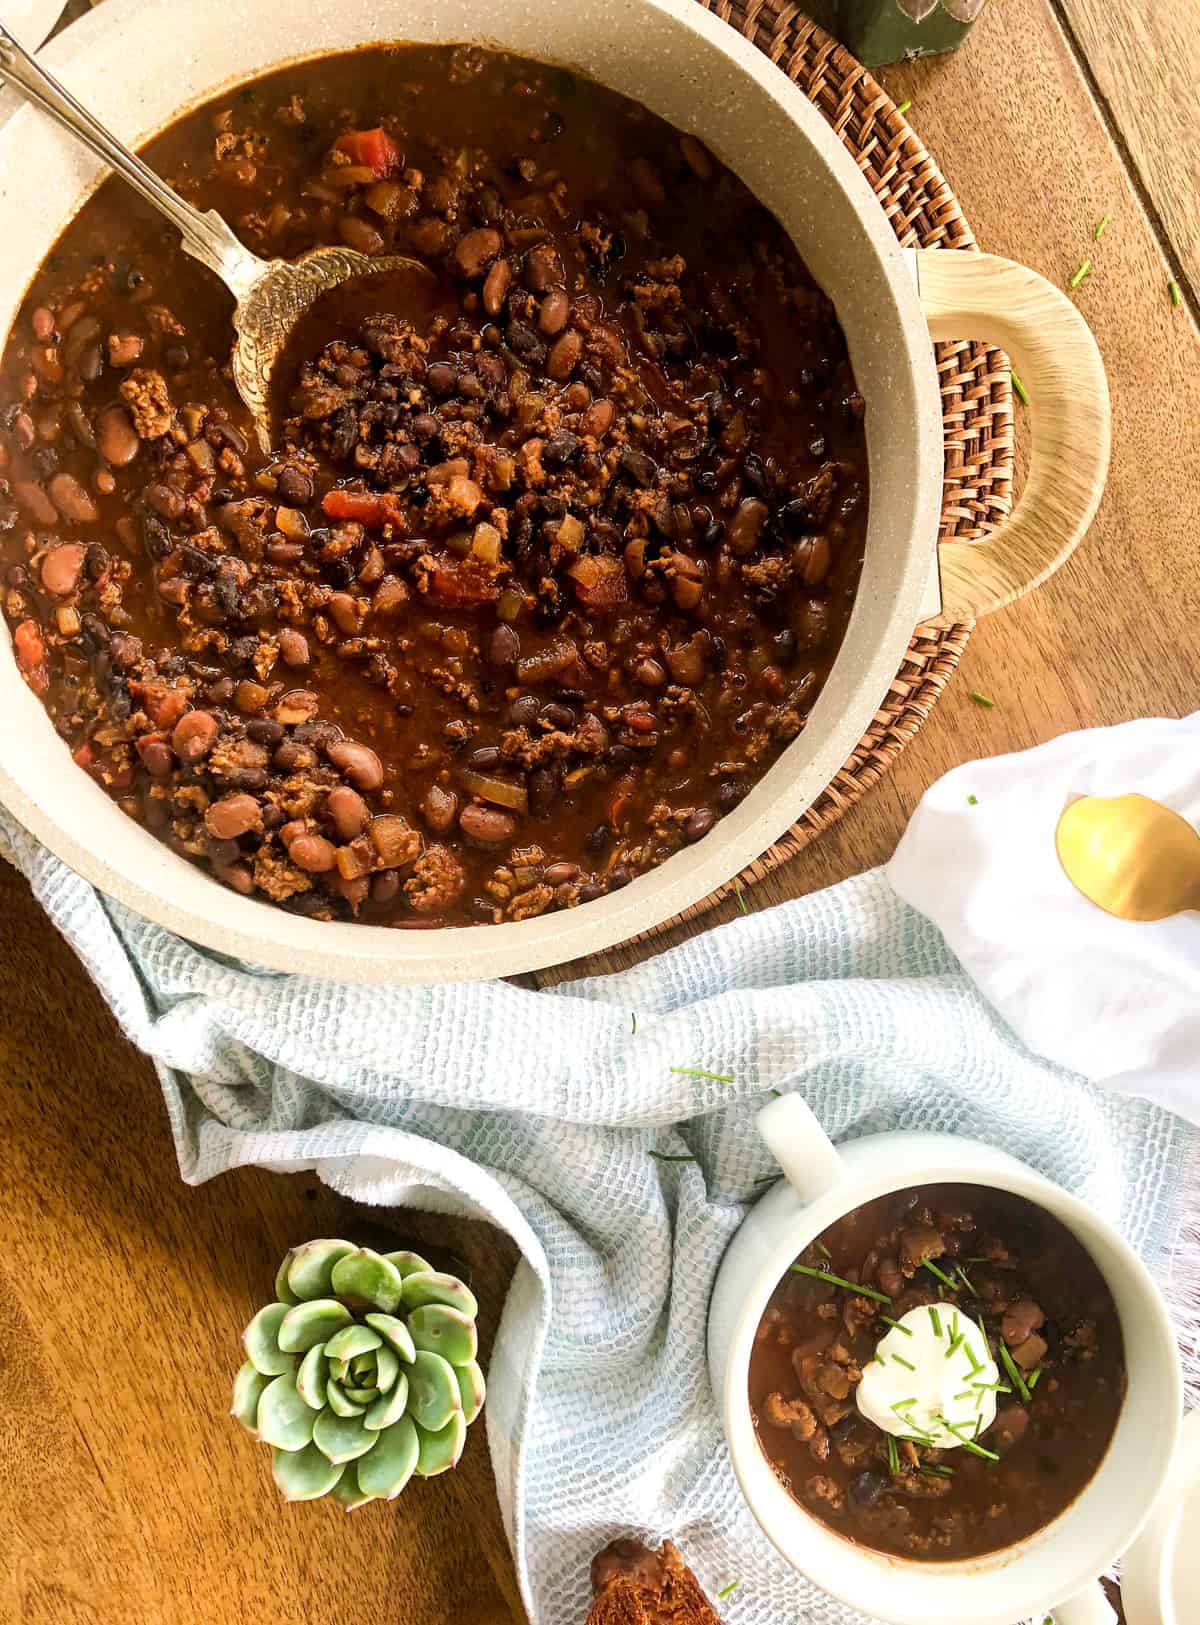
point(271, 295)
point(1131, 856)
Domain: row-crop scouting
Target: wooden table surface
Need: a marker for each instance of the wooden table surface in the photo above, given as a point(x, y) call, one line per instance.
point(125, 1493)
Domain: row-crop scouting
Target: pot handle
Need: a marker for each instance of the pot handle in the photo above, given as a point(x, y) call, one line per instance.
point(981, 296)
point(1089, 1607)
point(809, 1160)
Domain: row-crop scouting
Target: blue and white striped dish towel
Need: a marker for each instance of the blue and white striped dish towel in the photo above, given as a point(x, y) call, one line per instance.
point(538, 1111)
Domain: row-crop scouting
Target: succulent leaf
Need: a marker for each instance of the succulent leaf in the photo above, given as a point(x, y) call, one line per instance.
point(471, 1387)
point(368, 1275)
point(310, 1323)
point(396, 1333)
point(347, 1490)
point(363, 1365)
point(387, 1369)
point(409, 1263)
point(389, 1407)
point(391, 1464)
point(340, 1402)
point(437, 1452)
point(342, 1438)
point(312, 1377)
point(362, 1396)
point(284, 1420)
point(248, 1388)
point(310, 1273)
point(352, 1341)
point(444, 1331)
point(283, 1290)
point(432, 1287)
point(433, 1395)
point(340, 1369)
point(304, 1475)
point(261, 1341)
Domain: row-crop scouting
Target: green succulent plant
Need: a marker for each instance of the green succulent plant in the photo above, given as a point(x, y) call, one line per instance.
point(361, 1373)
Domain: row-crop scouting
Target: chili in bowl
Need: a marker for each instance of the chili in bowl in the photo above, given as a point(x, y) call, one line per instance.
point(949, 1388)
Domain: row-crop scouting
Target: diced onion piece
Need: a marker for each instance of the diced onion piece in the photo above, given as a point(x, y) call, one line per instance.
point(502, 792)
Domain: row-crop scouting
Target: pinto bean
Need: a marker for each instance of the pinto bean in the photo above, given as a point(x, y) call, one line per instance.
point(553, 311)
point(348, 811)
point(564, 355)
point(1022, 1318)
point(475, 251)
point(293, 647)
point(487, 825)
point(438, 809)
point(495, 287)
point(233, 815)
point(194, 736)
point(116, 438)
point(35, 502)
point(61, 568)
point(358, 762)
point(297, 705)
point(313, 853)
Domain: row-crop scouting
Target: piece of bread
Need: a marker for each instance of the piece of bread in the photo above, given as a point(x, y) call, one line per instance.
point(636, 1586)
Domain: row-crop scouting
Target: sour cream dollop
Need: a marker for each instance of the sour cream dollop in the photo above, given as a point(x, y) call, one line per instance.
point(932, 1378)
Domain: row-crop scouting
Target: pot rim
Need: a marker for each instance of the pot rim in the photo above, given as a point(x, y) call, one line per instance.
point(82, 826)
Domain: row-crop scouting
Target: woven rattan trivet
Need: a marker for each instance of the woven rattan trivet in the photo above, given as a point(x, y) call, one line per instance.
point(976, 394)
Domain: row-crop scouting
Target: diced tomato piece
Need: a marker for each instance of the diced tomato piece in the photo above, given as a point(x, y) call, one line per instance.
point(164, 706)
point(600, 583)
point(455, 582)
point(373, 148)
point(85, 756)
point(364, 507)
point(30, 650)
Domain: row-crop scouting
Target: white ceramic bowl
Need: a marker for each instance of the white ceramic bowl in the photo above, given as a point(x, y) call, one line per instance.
point(1053, 1568)
point(139, 63)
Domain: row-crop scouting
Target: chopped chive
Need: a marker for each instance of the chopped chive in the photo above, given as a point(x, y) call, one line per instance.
point(937, 1321)
point(938, 1472)
point(927, 1439)
point(968, 1444)
point(727, 1591)
point(993, 1387)
point(1010, 1365)
point(893, 1456)
point(927, 1263)
point(955, 1326)
point(955, 1344)
point(633, 1021)
point(822, 1249)
point(1021, 392)
point(895, 1325)
point(980, 699)
point(737, 892)
point(837, 1280)
point(1173, 291)
point(665, 1156)
point(967, 1393)
point(963, 1277)
point(972, 801)
point(901, 1406)
point(907, 1364)
point(778, 1093)
point(1034, 1378)
point(699, 1072)
point(1084, 268)
point(976, 1368)
point(1100, 225)
point(765, 1179)
point(904, 105)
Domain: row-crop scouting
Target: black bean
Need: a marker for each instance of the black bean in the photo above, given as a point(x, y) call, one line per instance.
point(485, 758)
point(557, 716)
point(544, 788)
point(524, 709)
point(597, 839)
point(559, 449)
point(866, 1488)
point(638, 465)
point(265, 731)
point(621, 755)
point(591, 890)
point(504, 646)
point(784, 645)
point(699, 824)
point(618, 877)
point(295, 486)
point(728, 794)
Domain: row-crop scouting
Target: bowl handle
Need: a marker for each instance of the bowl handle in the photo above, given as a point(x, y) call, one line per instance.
point(980, 296)
point(809, 1160)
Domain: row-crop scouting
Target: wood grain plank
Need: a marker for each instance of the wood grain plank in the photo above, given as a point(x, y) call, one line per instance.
point(126, 1491)
point(1112, 636)
point(1145, 63)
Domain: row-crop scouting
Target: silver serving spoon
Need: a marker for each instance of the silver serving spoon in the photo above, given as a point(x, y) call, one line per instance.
point(271, 295)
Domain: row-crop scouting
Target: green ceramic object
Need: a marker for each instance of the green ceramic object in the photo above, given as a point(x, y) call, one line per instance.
point(360, 1374)
point(880, 31)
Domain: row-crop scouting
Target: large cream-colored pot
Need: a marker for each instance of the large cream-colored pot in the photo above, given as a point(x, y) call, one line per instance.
point(139, 63)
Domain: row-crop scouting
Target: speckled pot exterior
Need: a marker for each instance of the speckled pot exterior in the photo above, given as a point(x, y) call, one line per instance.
point(140, 63)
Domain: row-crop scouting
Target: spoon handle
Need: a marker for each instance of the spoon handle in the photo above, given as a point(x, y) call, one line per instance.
point(205, 236)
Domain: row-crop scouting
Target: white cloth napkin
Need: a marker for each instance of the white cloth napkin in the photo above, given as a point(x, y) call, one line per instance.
point(1116, 1000)
point(539, 1112)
